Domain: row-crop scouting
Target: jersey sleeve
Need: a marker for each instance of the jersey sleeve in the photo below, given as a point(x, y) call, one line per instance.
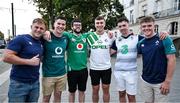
point(67, 34)
point(169, 46)
point(86, 34)
point(139, 46)
point(140, 37)
point(114, 47)
point(16, 44)
point(92, 38)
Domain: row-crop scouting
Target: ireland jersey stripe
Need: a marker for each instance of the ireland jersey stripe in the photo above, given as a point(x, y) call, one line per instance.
point(92, 38)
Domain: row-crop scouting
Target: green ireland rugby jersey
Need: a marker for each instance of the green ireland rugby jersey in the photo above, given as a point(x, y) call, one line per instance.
point(54, 56)
point(77, 52)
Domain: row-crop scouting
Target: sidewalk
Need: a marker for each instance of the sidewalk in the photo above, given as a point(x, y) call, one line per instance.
point(174, 96)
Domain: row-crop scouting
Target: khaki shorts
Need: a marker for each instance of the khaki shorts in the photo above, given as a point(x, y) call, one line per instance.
point(151, 93)
point(50, 84)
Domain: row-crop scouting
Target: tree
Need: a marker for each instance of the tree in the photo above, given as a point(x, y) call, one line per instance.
point(115, 12)
point(86, 10)
point(47, 9)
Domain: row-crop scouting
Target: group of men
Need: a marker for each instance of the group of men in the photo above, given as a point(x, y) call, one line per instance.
point(25, 52)
point(158, 62)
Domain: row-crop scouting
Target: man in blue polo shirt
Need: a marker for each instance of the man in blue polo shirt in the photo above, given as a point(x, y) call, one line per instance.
point(24, 53)
point(158, 63)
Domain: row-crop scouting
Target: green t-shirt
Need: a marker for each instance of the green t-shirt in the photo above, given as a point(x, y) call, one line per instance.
point(54, 56)
point(76, 51)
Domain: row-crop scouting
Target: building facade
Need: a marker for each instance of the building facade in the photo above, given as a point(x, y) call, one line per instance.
point(165, 12)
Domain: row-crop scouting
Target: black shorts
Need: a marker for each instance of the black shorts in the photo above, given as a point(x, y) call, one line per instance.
point(103, 75)
point(77, 79)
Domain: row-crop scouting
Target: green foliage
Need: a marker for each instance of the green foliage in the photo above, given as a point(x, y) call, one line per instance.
point(1, 35)
point(116, 11)
point(86, 10)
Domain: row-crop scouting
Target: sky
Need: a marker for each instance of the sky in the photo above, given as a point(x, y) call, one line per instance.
point(24, 13)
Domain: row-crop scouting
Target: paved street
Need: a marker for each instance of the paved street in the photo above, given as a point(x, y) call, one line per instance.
point(174, 94)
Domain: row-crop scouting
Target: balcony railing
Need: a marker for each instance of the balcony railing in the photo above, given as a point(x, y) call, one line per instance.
point(167, 12)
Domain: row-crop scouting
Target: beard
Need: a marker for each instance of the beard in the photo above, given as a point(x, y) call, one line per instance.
point(77, 32)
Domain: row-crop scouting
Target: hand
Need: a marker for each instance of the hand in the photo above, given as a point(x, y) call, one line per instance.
point(34, 61)
point(47, 36)
point(163, 35)
point(165, 87)
point(110, 34)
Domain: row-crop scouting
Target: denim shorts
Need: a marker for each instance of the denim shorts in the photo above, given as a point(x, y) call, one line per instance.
point(23, 92)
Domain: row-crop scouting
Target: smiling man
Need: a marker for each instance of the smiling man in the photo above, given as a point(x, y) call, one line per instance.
point(100, 65)
point(158, 63)
point(53, 67)
point(77, 62)
point(24, 52)
point(125, 71)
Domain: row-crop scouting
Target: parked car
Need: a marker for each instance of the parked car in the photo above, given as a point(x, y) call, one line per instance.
point(2, 43)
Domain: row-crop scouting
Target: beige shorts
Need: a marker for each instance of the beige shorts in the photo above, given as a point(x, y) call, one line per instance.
point(151, 93)
point(50, 84)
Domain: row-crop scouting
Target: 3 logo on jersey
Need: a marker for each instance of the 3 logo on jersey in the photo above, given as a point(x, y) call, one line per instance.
point(124, 49)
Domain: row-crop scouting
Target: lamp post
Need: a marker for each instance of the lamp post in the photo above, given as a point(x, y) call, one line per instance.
point(12, 11)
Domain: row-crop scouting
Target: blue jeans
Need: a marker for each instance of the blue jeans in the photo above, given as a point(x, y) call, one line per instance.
point(23, 92)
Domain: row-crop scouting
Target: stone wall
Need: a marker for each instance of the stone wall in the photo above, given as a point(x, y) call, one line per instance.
point(177, 45)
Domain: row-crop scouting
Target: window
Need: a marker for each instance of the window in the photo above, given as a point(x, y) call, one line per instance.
point(176, 4)
point(173, 28)
point(131, 17)
point(156, 28)
point(144, 10)
point(157, 6)
point(131, 2)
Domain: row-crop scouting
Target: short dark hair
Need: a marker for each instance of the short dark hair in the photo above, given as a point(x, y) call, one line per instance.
point(147, 19)
point(60, 17)
point(123, 19)
point(40, 21)
point(75, 20)
point(99, 18)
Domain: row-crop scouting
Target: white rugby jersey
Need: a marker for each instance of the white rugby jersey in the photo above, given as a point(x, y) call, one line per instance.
point(126, 59)
point(100, 53)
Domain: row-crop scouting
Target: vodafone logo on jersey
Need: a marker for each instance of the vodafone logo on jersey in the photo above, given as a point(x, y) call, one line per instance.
point(58, 50)
point(79, 46)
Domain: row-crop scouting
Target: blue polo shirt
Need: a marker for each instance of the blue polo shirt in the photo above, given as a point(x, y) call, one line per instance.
point(26, 47)
point(154, 53)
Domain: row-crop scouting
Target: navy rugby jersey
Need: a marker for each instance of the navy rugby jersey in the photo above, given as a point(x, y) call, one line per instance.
point(154, 53)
